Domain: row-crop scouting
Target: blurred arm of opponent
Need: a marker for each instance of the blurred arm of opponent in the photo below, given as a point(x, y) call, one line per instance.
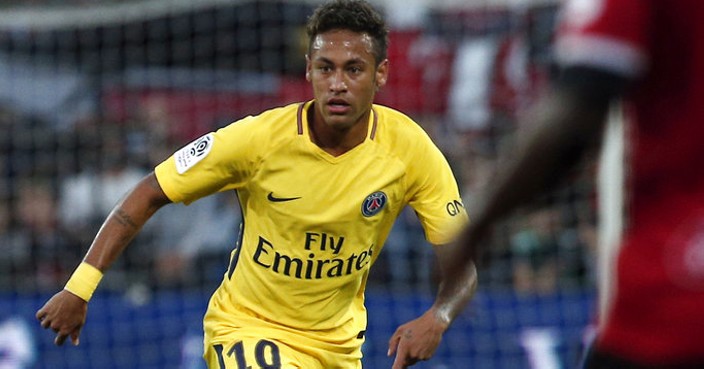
point(65, 313)
point(561, 127)
point(566, 122)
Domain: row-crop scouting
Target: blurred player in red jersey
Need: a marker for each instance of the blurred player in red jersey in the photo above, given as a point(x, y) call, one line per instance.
point(650, 55)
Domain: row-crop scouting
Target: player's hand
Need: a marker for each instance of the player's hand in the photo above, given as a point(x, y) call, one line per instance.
point(65, 313)
point(416, 340)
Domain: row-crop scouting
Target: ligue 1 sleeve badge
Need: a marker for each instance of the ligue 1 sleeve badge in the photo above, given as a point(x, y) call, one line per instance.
point(373, 204)
point(192, 153)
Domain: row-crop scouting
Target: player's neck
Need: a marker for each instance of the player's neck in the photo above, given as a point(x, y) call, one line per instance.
point(336, 141)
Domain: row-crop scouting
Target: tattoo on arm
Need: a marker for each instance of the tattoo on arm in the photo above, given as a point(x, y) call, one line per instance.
point(123, 218)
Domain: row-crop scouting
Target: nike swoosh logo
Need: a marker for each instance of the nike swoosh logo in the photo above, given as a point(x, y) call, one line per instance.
point(271, 197)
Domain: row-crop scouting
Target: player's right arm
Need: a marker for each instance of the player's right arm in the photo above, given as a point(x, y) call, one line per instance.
point(65, 312)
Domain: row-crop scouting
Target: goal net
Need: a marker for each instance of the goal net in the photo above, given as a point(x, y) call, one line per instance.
point(94, 93)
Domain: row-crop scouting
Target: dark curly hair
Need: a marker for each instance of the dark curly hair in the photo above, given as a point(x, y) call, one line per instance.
point(353, 15)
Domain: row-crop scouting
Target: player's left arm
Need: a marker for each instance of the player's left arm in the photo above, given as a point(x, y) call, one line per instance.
point(418, 339)
point(433, 193)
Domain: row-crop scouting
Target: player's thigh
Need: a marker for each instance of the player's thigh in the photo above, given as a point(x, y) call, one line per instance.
point(256, 353)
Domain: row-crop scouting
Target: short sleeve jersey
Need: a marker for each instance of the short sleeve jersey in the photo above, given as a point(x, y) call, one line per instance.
point(313, 223)
point(659, 45)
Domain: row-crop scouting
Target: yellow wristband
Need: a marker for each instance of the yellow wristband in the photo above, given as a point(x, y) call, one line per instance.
point(84, 281)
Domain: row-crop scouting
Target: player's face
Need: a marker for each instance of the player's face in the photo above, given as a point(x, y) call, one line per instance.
point(344, 76)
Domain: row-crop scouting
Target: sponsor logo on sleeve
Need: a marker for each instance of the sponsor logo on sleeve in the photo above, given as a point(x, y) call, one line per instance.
point(192, 153)
point(454, 207)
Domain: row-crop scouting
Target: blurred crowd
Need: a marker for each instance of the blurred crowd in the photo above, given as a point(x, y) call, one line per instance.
point(465, 77)
point(58, 186)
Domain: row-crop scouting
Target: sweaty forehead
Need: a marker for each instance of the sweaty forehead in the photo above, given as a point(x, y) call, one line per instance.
point(343, 40)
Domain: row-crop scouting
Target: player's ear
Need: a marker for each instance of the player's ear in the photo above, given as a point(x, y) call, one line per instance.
point(382, 73)
point(308, 68)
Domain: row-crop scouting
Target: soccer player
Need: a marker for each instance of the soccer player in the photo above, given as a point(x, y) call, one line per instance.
point(649, 54)
point(320, 184)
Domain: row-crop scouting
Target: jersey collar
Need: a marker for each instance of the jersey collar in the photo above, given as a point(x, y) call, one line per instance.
point(303, 105)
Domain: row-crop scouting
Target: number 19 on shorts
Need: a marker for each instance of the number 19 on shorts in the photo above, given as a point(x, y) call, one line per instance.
point(264, 355)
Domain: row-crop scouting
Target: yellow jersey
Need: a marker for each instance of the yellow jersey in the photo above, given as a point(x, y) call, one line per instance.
point(313, 223)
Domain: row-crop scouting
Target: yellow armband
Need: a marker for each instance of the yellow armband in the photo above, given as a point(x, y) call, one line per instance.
point(84, 281)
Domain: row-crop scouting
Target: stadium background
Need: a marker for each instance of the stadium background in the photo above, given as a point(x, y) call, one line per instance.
point(93, 93)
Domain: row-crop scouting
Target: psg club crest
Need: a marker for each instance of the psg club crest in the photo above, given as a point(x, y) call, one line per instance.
point(373, 204)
